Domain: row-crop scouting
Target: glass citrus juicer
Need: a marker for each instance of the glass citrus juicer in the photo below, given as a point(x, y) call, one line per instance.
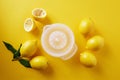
point(58, 41)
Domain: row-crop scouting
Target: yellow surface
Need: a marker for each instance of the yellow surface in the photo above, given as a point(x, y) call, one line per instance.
point(106, 15)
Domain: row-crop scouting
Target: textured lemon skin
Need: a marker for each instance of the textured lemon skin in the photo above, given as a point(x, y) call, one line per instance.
point(39, 62)
point(28, 48)
point(86, 26)
point(88, 59)
point(95, 43)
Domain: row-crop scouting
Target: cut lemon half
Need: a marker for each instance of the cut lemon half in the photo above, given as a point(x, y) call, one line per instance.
point(29, 25)
point(39, 13)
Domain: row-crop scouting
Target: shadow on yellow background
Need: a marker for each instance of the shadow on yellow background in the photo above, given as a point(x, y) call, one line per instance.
point(106, 15)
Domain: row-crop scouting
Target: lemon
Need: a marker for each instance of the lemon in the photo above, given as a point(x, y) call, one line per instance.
point(29, 25)
point(39, 13)
point(95, 43)
point(88, 59)
point(86, 26)
point(28, 48)
point(39, 62)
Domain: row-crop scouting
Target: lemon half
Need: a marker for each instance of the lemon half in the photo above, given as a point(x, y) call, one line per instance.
point(39, 13)
point(29, 25)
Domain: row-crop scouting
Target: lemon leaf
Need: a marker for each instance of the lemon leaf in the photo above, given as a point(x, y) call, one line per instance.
point(17, 53)
point(25, 63)
point(9, 47)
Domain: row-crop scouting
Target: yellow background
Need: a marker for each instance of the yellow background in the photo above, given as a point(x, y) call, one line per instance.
point(106, 15)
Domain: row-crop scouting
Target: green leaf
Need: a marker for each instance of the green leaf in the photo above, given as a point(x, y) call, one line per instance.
point(9, 47)
point(17, 53)
point(25, 63)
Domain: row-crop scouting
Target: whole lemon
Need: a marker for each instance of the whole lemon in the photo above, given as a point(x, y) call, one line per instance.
point(88, 59)
point(95, 43)
point(86, 26)
point(28, 48)
point(39, 62)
